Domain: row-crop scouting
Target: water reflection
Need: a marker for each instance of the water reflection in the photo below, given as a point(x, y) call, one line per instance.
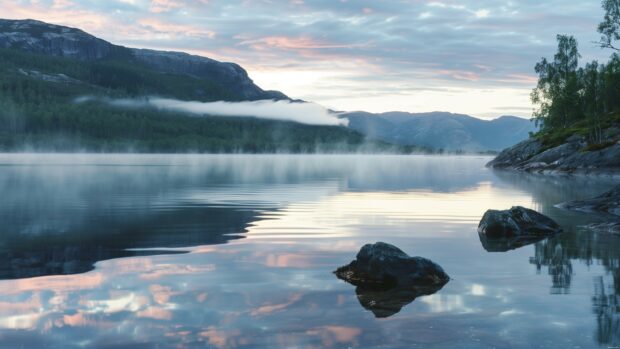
point(588, 246)
point(385, 302)
point(263, 235)
point(507, 244)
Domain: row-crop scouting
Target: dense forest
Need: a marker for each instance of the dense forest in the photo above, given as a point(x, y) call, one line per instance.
point(38, 113)
point(580, 100)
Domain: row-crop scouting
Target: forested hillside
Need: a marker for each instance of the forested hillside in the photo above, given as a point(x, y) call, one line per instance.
point(38, 112)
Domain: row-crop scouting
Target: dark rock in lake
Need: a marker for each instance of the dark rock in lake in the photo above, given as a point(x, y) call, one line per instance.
point(608, 202)
point(387, 278)
point(385, 265)
point(516, 222)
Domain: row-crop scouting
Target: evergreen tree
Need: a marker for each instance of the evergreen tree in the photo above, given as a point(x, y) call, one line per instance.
point(557, 91)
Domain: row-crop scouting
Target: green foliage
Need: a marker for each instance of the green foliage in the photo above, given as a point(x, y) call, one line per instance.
point(575, 100)
point(580, 100)
point(557, 92)
point(610, 26)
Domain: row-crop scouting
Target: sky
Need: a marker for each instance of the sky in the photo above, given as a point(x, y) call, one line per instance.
point(473, 57)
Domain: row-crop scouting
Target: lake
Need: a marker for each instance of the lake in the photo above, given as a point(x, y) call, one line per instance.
point(238, 251)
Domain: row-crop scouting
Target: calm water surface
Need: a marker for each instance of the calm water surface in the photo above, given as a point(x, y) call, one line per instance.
point(149, 251)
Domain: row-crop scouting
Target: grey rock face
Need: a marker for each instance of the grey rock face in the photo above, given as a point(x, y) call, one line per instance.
point(227, 74)
point(386, 265)
point(516, 155)
point(608, 202)
point(44, 38)
point(516, 222)
point(570, 157)
point(607, 228)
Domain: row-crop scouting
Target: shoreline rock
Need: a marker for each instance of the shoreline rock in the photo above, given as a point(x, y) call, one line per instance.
point(608, 202)
point(517, 222)
point(571, 157)
point(606, 228)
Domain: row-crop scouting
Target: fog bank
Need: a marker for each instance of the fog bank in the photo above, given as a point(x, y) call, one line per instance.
point(304, 113)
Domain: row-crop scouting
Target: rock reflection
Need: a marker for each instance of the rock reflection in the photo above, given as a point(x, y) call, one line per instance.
point(507, 244)
point(385, 302)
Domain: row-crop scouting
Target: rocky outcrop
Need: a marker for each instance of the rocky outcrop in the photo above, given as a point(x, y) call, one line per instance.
point(608, 202)
point(54, 40)
point(572, 156)
point(385, 265)
point(387, 278)
point(606, 228)
point(519, 222)
point(226, 74)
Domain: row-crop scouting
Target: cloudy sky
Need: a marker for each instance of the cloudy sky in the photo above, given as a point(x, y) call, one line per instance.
point(473, 57)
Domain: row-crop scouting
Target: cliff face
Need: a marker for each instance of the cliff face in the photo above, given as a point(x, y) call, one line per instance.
point(39, 37)
point(227, 74)
point(49, 39)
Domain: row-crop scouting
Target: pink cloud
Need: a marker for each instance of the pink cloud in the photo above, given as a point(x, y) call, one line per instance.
point(153, 25)
point(270, 308)
point(290, 43)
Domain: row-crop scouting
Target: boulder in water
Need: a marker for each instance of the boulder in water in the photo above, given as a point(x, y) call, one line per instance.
point(516, 222)
point(386, 265)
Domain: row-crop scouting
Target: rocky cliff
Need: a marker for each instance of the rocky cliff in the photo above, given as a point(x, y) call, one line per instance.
point(54, 40)
point(572, 155)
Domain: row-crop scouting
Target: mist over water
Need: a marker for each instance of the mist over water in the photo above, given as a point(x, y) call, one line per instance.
point(237, 251)
point(283, 110)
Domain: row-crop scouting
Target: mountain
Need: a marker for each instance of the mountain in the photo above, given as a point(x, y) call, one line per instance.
point(441, 130)
point(59, 41)
point(44, 68)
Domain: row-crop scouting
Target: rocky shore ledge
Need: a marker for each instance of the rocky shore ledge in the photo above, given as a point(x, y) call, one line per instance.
point(573, 156)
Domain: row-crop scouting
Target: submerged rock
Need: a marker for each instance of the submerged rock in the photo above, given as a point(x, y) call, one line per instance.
point(385, 265)
point(387, 278)
point(516, 222)
point(608, 202)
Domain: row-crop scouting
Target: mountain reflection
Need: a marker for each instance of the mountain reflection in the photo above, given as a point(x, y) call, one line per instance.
point(77, 250)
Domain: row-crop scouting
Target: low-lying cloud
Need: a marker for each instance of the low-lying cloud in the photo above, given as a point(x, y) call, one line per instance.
point(304, 113)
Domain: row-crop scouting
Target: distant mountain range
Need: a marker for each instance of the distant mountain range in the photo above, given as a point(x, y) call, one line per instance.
point(45, 67)
point(441, 130)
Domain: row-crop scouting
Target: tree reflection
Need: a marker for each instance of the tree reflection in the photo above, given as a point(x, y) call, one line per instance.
point(577, 244)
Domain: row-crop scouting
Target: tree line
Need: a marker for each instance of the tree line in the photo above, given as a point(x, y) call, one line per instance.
point(571, 98)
